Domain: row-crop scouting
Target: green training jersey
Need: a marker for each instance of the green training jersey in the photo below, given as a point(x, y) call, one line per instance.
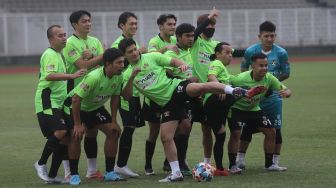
point(156, 43)
point(201, 52)
point(185, 56)
point(217, 68)
point(96, 89)
point(245, 80)
point(74, 49)
point(115, 44)
point(50, 94)
point(152, 80)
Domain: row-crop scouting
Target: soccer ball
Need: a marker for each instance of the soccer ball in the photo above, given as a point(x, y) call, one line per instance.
point(202, 172)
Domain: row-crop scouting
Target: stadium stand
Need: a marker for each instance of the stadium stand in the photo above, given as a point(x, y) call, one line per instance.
point(143, 5)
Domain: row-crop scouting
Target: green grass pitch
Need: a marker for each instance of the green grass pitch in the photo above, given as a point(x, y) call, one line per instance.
point(308, 151)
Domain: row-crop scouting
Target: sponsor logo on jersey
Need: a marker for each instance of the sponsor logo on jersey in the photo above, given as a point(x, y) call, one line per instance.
point(50, 67)
point(84, 86)
point(72, 53)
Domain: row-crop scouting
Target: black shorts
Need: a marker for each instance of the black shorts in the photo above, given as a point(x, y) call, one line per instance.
point(175, 109)
point(49, 123)
point(151, 112)
point(197, 110)
point(95, 117)
point(134, 116)
point(216, 111)
point(250, 120)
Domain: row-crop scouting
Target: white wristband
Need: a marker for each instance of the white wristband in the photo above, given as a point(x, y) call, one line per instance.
point(228, 89)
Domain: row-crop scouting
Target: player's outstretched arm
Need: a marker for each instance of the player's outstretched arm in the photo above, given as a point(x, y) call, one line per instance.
point(61, 76)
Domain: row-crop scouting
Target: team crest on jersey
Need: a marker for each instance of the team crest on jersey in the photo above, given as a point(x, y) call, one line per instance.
point(113, 85)
point(274, 62)
point(145, 65)
point(84, 86)
point(93, 49)
point(50, 67)
point(72, 53)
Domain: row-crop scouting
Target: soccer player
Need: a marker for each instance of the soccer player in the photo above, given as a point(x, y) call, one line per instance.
point(278, 65)
point(247, 113)
point(88, 111)
point(165, 40)
point(170, 94)
point(50, 94)
point(217, 107)
point(130, 110)
point(200, 52)
point(84, 51)
point(162, 42)
point(128, 23)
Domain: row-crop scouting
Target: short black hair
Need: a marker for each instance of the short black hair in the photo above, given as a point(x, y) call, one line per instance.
point(111, 54)
point(184, 28)
point(267, 26)
point(164, 17)
point(124, 17)
point(75, 16)
point(125, 43)
point(258, 56)
point(218, 48)
point(50, 30)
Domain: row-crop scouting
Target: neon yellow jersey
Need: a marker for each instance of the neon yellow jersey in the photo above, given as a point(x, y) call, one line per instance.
point(96, 89)
point(217, 68)
point(74, 49)
point(245, 80)
point(185, 56)
point(156, 43)
point(115, 44)
point(201, 52)
point(152, 80)
point(50, 94)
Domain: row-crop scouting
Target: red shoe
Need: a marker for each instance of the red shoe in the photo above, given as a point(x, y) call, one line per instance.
point(219, 172)
point(255, 91)
point(97, 175)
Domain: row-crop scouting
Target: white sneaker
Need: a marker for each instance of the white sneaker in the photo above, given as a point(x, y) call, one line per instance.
point(125, 171)
point(235, 170)
point(172, 178)
point(276, 168)
point(66, 179)
point(240, 164)
point(42, 171)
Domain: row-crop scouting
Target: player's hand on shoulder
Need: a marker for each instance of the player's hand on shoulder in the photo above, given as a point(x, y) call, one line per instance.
point(173, 48)
point(79, 73)
point(143, 50)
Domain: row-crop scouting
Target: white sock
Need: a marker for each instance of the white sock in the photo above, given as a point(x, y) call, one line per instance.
point(66, 166)
point(276, 159)
point(240, 156)
point(228, 89)
point(207, 160)
point(174, 165)
point(92, 165)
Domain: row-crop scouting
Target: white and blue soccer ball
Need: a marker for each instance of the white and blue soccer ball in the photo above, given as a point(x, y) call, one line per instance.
point(202, 172)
